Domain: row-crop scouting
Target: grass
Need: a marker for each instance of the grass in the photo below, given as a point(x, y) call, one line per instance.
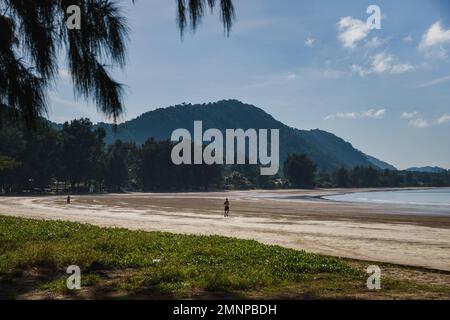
point(119, 263)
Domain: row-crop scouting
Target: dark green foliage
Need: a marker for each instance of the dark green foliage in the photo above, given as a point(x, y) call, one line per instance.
point(8, 163)
point(119, 156)
point(157, 170)
point(380, 164)
point(326, 150)
point(300, 171)
point(159, 173)
point(81, 151)
point(210, 262)
point(368, 177)
point(238, 181)
point(76, 156)
point(246, 176)
point(34, 153)
point(194, 10)
point(427, 169)
point(34, 33)
point(342, 178)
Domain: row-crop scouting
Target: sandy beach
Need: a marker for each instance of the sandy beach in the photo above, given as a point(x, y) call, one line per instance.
point(414, 236)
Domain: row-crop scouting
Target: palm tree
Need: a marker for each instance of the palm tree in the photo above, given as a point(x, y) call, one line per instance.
point(33, 33)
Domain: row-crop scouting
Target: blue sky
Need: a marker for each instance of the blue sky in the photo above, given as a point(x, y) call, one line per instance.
point(311, 64)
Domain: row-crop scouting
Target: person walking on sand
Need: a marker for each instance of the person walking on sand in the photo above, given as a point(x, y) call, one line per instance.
point(68, 200)
point(227, 208)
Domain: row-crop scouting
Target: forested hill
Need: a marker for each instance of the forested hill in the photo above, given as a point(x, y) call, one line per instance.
point(325, 149)
point(426, 169)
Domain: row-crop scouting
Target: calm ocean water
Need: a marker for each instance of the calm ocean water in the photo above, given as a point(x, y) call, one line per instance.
point(432, 197)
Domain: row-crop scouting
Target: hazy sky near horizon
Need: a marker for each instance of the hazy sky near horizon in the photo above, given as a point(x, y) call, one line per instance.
point(310, 64)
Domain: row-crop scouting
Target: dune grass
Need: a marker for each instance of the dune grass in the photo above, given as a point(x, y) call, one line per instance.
point(120, 263)
point(162, 261)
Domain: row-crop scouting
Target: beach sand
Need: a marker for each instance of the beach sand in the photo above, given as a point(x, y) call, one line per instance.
point(297, 219)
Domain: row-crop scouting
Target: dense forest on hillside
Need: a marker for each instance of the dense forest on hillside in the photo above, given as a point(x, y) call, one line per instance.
point(75, 158)
point(328, 151)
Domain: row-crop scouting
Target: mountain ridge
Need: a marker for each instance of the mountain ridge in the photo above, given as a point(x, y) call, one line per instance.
point(381, 164)
point(427, 169)
point(327, 150)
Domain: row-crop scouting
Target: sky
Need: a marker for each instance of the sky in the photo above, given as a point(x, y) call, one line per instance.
point(310, 64)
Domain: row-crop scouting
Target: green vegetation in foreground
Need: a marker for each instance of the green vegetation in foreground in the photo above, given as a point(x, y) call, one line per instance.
point(120, 263)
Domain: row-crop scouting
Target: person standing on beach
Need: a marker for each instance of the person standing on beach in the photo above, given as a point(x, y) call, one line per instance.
point(227, 208)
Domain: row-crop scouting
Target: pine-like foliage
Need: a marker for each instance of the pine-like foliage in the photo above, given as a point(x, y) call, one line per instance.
point(33, 34)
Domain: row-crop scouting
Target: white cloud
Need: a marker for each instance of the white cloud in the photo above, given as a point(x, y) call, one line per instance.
point(374, 114)
point(408, 38)
point(310, 42)
point(383, 63)
point(409, 115)
point(433, 41)
point(289, 76)
point(360, 70)
point(419, 123)
point(386, 63)
point(435, 35)
point(435, 82)
point(342, 115)
point(351, 31)
point(369, 114)
point(374, 43)
point(443, 119)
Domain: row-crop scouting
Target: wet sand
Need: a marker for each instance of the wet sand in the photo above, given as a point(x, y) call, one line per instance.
point(415, 236)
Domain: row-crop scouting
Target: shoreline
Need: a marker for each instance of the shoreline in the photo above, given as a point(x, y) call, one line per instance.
point(369, 232)
point(341, 192)
point(391, 202)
